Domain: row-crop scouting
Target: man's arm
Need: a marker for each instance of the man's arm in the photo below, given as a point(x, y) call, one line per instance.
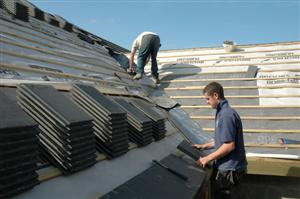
point(204, 146)
point(221, 152)
point(131, 60)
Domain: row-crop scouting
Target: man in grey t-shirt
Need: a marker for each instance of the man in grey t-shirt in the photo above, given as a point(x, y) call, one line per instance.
point(147, 44)
point(229, 155)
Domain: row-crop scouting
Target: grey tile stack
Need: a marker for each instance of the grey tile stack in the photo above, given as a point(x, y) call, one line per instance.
point(110, 121)
point(66, 135)
point(18, 149)
point(140, 126)
point(158, 130)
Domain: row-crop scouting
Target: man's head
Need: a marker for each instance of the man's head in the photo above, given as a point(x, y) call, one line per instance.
point(213, 93)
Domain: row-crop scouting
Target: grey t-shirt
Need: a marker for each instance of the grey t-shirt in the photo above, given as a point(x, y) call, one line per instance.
point(137, 42)
point(229, 128)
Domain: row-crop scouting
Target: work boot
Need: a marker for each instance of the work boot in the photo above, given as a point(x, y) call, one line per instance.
point(155, 79)
point(138, 76)
point(130, 71)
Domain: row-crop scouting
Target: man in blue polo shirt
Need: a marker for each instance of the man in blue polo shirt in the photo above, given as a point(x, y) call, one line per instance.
point(229, 156)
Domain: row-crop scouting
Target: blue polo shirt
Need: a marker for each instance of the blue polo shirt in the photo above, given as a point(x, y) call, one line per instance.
point(229, 128)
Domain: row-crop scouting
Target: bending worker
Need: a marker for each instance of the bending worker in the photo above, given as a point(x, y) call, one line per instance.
point(147, 43)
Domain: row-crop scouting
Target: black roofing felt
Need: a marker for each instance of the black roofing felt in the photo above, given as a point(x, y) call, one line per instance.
point(158, 182)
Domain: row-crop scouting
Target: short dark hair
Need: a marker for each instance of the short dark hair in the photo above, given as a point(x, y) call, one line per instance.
point(214, 87)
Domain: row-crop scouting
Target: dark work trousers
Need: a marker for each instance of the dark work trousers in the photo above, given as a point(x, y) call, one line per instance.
point(149, 46)
point(225, 183)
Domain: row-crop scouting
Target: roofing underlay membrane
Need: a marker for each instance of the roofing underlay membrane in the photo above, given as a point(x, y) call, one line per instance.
point(91, 118)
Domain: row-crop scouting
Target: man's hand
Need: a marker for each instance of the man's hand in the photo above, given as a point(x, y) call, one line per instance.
point(203, 161)
point(133, 68)
point(131, 61)
point(198, 146)
point(204, 146)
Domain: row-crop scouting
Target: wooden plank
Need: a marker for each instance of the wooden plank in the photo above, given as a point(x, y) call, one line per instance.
point(225, 79)
point(161, 56)
point(260, 130)
point(234, 87)
point(225, 53)
point(273, 167)
point(256, 60)
point(225, 65)
point(224, 72)
point(48, 173)
point(285, 146)
point(243, 106)
point(203, 117)
point(240, 55)
point(280, 70)
point(234, 96)
point(199, 73)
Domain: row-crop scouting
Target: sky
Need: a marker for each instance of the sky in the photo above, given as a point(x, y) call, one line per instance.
point(183, 24)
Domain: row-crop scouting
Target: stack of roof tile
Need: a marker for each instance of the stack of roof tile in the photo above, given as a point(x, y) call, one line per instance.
point(140, 126)
point(110, 121)
point(66, 134)
point(159, 130)
point(18, 149)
